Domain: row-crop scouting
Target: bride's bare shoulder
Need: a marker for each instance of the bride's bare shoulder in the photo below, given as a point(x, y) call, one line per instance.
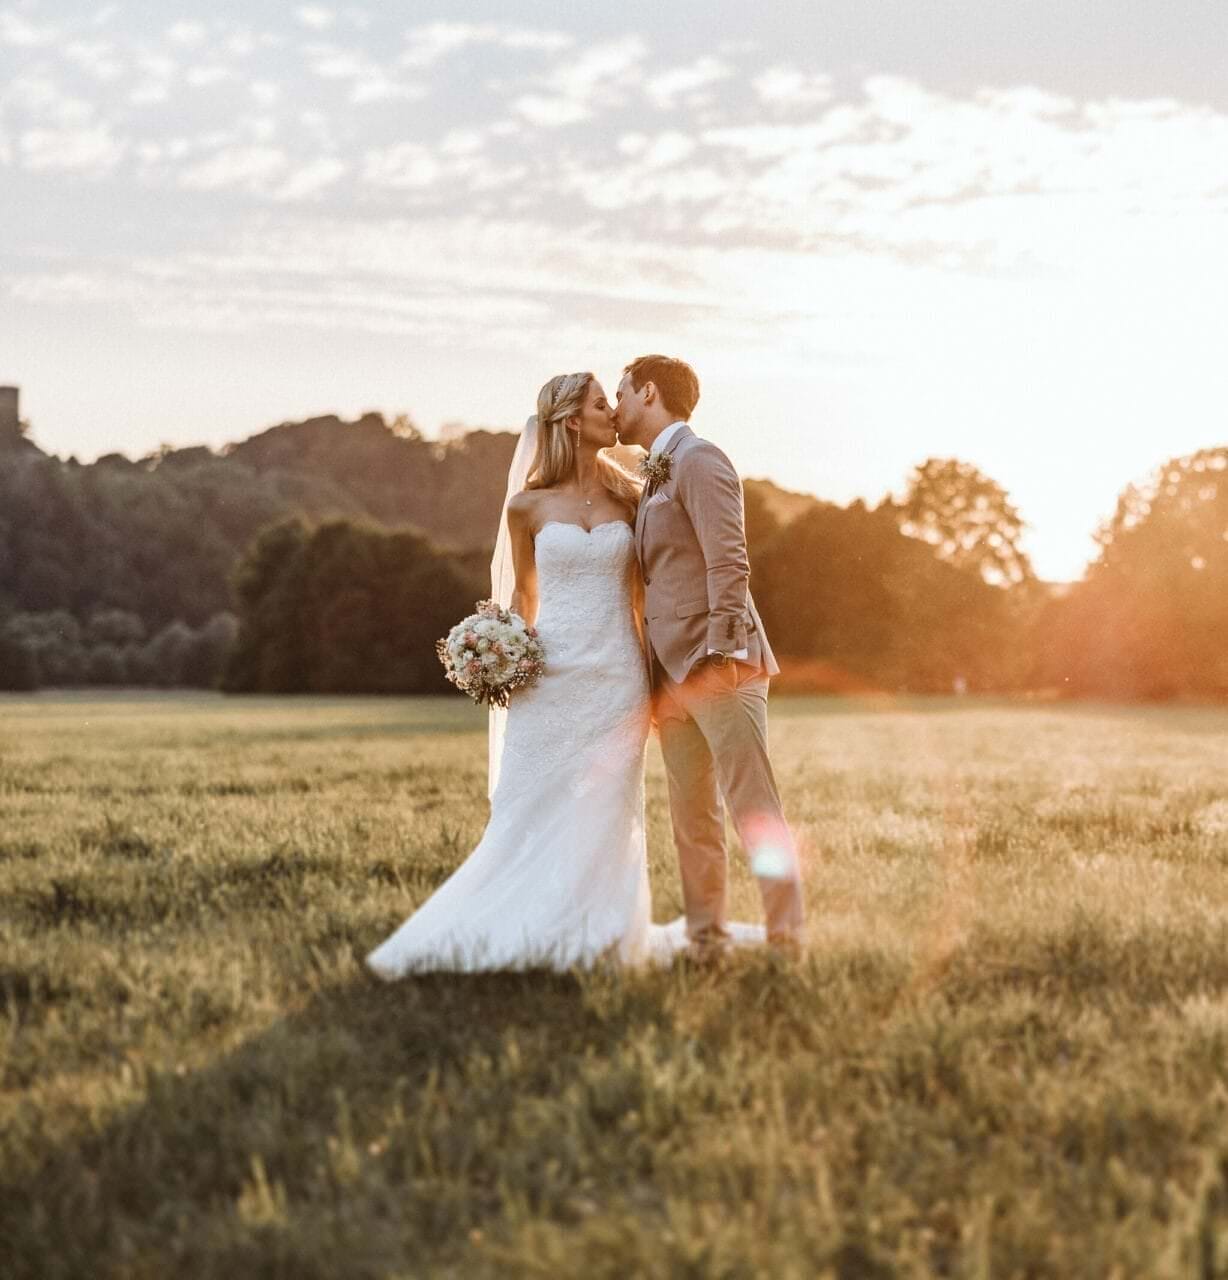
point(522, 507)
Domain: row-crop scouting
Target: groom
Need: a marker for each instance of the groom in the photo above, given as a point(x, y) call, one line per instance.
point(710, 660)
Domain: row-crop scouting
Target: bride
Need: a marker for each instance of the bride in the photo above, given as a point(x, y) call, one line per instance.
point(560, 876)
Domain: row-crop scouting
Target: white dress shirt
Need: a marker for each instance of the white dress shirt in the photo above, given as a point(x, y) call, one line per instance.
point(665, 437)
point(657, 445)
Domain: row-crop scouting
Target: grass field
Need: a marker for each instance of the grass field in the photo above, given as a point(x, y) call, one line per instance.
point(1005, 1053)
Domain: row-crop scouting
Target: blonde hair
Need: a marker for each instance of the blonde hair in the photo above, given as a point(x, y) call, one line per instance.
point(555, 460)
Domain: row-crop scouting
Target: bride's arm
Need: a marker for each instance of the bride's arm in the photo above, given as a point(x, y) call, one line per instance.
point(524, 560)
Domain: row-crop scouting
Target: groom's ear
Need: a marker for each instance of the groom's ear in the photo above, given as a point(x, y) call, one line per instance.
point(649, 392)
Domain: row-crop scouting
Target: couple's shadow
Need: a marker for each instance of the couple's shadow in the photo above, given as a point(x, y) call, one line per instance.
point(162, 1180)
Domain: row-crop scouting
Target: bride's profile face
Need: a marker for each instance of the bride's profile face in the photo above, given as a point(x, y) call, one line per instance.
point(595, 422)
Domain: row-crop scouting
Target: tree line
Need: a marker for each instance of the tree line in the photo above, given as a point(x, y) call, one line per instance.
point(329, 556)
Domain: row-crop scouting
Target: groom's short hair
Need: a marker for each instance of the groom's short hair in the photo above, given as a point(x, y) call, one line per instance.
point(674, 379)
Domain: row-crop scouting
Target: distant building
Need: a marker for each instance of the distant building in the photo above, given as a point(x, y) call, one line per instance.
point(10, 417)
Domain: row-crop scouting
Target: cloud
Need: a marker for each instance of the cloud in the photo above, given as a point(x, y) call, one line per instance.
point(1007, 178)
point(599, 70)
point(428, 44)
point(97, 57)
point(227, 293)
point(91, 151)
point(311, 178)
point(550, 113)
point(661, 152)
point(1026, 100)
point(459, 167)
point(462, 142)
point(40, 99)
point(234, 166)
point(371, 82)
point(19, 33)
point(787, 87)
point(686, 82)
point(599, 76)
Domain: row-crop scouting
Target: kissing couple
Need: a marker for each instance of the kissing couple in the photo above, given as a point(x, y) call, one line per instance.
point(639, 590)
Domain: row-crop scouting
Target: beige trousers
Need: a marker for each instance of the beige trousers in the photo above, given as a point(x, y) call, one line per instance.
point(713, 730)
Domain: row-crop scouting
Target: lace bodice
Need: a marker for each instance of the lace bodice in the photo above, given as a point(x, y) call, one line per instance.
point(595, 672)
point(584, 576)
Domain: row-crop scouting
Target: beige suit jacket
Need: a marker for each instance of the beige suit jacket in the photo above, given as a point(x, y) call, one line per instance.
point(690, 536)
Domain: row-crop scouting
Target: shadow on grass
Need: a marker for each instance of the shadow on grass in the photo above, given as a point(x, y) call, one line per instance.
point(265, 1160)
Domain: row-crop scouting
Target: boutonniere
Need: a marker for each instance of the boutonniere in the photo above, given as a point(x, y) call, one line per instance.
point(656, 471)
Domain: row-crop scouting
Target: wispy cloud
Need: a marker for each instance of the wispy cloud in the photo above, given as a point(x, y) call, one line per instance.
point(96, 57)
point(312, 178)
point(756, 149)
point(687, 84)
point(21, 33)
point(787, 88)
point(597, 77)
point(91, 150)
point(250, 166)
point(370, 80)
point(427, 45)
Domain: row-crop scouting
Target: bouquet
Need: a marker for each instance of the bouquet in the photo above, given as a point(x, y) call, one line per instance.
point(491, 653)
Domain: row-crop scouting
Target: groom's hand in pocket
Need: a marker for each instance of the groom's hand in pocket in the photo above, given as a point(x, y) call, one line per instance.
point(715, 675)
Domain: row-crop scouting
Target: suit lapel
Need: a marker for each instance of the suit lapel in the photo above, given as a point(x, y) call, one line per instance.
point(639, 524)
point(679, 436)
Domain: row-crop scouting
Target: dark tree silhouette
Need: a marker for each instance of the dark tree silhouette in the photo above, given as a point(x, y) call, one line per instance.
point(345, 608)
point(128, 570)
point(1150, 617)
point(967, 518)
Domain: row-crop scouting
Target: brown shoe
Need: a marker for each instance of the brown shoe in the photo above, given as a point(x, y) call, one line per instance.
point(785, 949)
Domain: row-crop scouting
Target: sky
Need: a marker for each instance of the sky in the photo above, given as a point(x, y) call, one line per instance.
point(879, 231)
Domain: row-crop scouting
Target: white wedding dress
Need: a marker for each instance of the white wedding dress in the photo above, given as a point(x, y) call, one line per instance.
point(560, 876)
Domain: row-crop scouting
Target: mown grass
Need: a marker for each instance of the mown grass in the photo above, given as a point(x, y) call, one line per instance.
point(1005, 1053)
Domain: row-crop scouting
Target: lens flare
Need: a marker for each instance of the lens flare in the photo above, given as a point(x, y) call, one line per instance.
point(771, 862)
